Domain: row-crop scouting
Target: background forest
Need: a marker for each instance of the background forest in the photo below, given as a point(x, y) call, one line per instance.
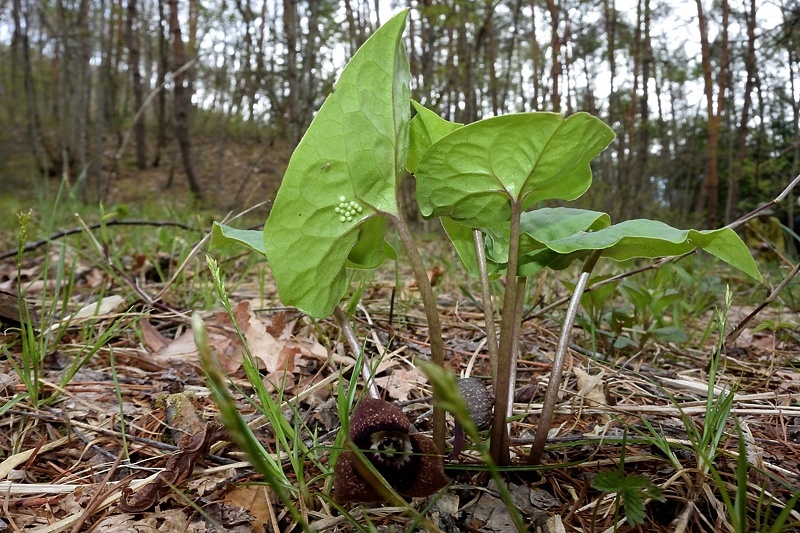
point(666, 396)
point(704, 96)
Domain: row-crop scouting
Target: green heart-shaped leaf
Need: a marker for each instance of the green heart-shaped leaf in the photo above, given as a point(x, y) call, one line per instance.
point(542, 226)
point(365, 254)
point(650, 238)
point(343, 172)
point(222, 235)
point(555, 237)
point(475, 173)
point(426, 128)
point(461, 237)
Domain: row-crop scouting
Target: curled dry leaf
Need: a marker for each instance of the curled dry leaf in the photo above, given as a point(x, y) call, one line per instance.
point(410, 463)
point(179, 466)
point(592, 390)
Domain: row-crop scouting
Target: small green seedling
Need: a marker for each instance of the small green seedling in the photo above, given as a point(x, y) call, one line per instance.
point(483, 181)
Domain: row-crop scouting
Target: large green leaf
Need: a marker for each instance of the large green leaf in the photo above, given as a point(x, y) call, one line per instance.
point(363, 255)
point(343, 172)
point(537, 227)
point(555, 237)
point(475, 173)
point(650, 238)
point(547, 224)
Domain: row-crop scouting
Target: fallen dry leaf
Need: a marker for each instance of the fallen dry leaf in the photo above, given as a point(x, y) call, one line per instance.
point(180, 465)
point(153, 338)
point(254, 499)
point(401, 383)
point(591, 390)
point(170, 521)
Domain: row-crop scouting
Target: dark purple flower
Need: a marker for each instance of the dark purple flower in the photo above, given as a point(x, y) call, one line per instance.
point(410, 463)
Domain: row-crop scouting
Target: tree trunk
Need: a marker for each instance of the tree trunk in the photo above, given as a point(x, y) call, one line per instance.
point(428, 49)
point(308, 86)
point(793, 64)
point(161, 73)
point(568, 91)
point(467, 55)
point(536, 61)
point(83, 92)
point(610, 12)
point(555, 50)
point(491, 56)
point(609, 165)
point(99, 112)
point(355, 36)
point(708, 199)
point(116, 35)
point(741, 140)
point(413, 56)
point(191, 42)
point(512, 45)
point(132, 38)
point(37, 147)
point(292, 99)
point(182, 101)
point(641, 178)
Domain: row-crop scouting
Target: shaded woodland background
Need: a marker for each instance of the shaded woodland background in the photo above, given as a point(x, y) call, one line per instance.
point(704, 96)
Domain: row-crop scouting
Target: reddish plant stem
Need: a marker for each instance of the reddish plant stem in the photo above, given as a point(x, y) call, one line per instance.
point(509, 331)
point(432, 316)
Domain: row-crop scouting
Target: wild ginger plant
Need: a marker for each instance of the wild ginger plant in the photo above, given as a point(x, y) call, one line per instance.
point(482, 180)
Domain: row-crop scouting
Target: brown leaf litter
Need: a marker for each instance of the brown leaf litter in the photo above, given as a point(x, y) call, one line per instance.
point(64, 463)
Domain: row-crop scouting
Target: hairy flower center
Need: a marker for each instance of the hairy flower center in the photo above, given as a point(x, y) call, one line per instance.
point(391, 448)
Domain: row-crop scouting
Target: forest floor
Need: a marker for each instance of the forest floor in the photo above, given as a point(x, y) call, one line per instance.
point(232, 172)
point(101, 391)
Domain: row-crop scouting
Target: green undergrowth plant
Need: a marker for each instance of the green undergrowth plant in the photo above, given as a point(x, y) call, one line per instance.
point(487, 183)
point(745, 509)
point(647, 310)
point(33, 345)
point(631, 490)
point(289, 441)
point(41, 332)
point(266, 465)
point(659, 304)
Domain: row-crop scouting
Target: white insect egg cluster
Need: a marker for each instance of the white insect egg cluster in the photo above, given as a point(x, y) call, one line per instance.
point(347, 210)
